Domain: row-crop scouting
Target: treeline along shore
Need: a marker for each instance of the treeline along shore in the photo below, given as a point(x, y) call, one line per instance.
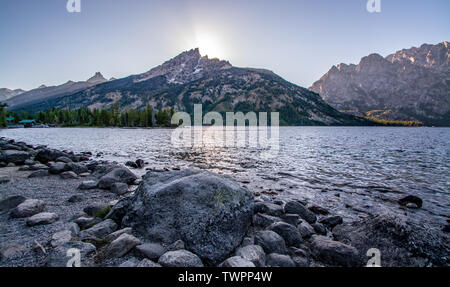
point(53, 201)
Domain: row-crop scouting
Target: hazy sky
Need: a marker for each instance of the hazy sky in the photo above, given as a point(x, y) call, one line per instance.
point(41, 43)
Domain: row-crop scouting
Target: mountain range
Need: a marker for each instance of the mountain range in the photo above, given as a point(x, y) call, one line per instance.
point(6, 94)
point(188, 79)
point(411, 84)
point(43, 94)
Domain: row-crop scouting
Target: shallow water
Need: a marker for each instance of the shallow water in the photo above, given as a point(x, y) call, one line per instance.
point(354, 171)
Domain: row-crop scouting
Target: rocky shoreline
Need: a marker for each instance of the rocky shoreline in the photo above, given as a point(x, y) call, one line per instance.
point(53, 201)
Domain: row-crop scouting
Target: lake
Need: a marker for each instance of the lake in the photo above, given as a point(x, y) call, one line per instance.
point(353, 171)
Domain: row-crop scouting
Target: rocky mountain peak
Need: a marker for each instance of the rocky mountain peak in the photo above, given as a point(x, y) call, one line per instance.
point(428, 56)
point(97, 79)
point(187, 66)
point(412, 84)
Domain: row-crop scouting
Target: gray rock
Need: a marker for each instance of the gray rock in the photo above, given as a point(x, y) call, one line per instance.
point(95, 208)
point(77, 168)
point(319, 228)
point(68, 175)
point(14, 156)
point(99, 230)
point(28, 208)
point(38, 166)
point(12, 250)
point(298, 208)
point(38, 173)
point(88, 184)
point(60, 256)
point(119, 188)
point(334, 252)
point(11, 202)
point(331, 221)
point(209, 212)
point(268, 208)
point(151, 250)
point(121, 246)
point(133, 262)
point(318, 210)
point(85, 174)
point(148, 263)
point(270, 241)
point(119, 174)
point(60, 238)
point(300, 261)
point(63, 159)
point(29, 162)
point(291, 218)
point(42, 219)
point(279, 260)
point(180, 258)
point(46, 155)
point(253, 253)
point(113, 236)
point(86, 222)
point(289, 232)
point(306, 230)
point(237, 261)
point(57, 168)
point(263, 220)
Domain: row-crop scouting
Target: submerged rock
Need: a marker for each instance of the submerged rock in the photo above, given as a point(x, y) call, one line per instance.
point(411, 199)
point(209, 212)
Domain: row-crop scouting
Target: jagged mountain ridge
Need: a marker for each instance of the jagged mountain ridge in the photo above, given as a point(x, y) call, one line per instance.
point(190, 78)
point(411, 84)
point(43, 94)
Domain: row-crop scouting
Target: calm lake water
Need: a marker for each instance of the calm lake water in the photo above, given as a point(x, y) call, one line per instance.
point(353, 171)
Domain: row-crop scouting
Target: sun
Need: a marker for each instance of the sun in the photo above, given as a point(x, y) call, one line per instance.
point(210, 44)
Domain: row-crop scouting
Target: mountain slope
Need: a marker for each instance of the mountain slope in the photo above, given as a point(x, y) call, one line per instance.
point(44, 94)
point(6, 94)
point(411, 84)
point(190, 78)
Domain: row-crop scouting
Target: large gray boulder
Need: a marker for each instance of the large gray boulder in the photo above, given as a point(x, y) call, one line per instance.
point(28, 208)
point(14, 156)
point(209, 212)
